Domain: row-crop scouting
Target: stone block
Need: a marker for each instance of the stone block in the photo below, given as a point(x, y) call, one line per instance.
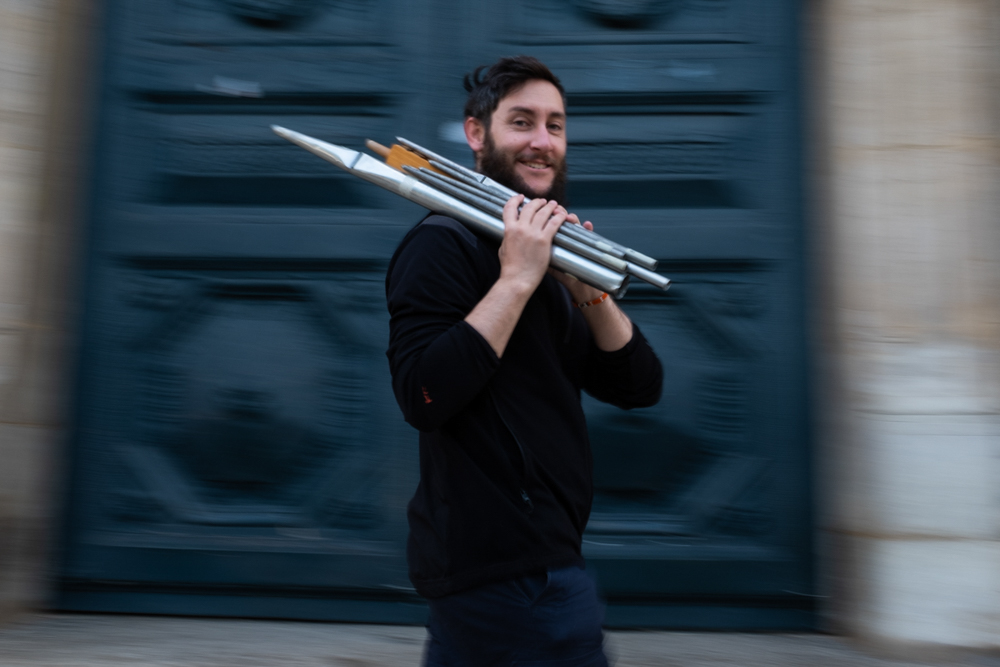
point(27, 495)
point(19, 200)
point(940, 378)
point(36, 394)
point(25, 579)
point(11, 348)
point(908, 72)
point(930, 592)
point(26, 478)
point(16, 259)
point(26, 32)
point(55, 292)
point(927, 475)
point(911, 244)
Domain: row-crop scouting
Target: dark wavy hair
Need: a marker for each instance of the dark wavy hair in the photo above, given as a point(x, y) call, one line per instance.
point(488, 84)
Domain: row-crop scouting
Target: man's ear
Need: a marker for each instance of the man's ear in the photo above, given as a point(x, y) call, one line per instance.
point(475, 134)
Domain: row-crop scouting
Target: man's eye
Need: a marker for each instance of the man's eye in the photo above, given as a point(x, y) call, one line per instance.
point(555, 128)
point(521, 123)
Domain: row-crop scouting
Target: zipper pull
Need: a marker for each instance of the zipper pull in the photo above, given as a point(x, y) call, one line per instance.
point(527, 501)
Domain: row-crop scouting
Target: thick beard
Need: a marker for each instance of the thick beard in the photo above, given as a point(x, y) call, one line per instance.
point(500, 167)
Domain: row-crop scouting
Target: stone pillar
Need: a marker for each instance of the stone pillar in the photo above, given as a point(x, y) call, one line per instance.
point(905, 94)
point(45, 87)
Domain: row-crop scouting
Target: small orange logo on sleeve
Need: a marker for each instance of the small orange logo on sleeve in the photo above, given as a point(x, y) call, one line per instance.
point(427, 397)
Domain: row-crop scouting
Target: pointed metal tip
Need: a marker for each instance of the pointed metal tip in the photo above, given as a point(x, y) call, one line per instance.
point(343, 157)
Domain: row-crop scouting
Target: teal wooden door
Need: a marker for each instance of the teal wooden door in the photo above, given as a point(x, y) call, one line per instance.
point(237, 450)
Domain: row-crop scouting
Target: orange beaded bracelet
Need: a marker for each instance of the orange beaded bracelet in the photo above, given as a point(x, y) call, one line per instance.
point(596, 301)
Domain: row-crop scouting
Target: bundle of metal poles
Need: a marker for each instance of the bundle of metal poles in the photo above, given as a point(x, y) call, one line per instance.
point(477, 201)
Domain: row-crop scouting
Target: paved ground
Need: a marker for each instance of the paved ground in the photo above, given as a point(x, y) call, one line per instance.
point(146, 641)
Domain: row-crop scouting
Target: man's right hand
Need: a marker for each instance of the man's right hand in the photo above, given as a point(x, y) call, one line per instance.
point(527, 240)
point(524, 258)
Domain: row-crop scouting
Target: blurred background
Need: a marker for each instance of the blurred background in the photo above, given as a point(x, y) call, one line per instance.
point(195, 410)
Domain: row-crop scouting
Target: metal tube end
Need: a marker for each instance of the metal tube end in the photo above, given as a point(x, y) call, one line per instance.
point(640, 259)
point(654, 279)
point(620, 292)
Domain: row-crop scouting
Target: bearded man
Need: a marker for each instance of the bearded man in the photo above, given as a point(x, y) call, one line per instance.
point(489, 350)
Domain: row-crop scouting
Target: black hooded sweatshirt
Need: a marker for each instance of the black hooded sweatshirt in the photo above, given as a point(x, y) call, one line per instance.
point(505, 462)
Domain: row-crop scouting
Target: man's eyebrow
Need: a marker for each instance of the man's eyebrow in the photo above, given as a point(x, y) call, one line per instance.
point(557, 114)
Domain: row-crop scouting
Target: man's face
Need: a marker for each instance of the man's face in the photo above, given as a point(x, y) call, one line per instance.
point(525, 146)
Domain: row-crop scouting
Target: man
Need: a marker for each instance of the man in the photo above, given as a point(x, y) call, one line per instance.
point(489, 350)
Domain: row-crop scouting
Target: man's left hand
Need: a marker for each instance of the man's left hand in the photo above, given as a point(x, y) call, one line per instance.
point(610, 327)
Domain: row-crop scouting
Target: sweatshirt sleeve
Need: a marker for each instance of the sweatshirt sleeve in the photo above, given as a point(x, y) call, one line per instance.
point(631, 377)
point(439, 363)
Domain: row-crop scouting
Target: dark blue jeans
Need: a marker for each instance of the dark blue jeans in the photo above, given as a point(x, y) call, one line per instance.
point(551, 619)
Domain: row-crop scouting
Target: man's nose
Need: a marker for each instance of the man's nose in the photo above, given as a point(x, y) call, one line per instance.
point(540, 139)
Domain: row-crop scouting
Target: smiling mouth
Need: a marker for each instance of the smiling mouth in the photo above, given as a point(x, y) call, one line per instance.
point(535, 166)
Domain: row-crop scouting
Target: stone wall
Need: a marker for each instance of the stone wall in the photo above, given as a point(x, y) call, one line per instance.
point(905, 94)
point(44, 92)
